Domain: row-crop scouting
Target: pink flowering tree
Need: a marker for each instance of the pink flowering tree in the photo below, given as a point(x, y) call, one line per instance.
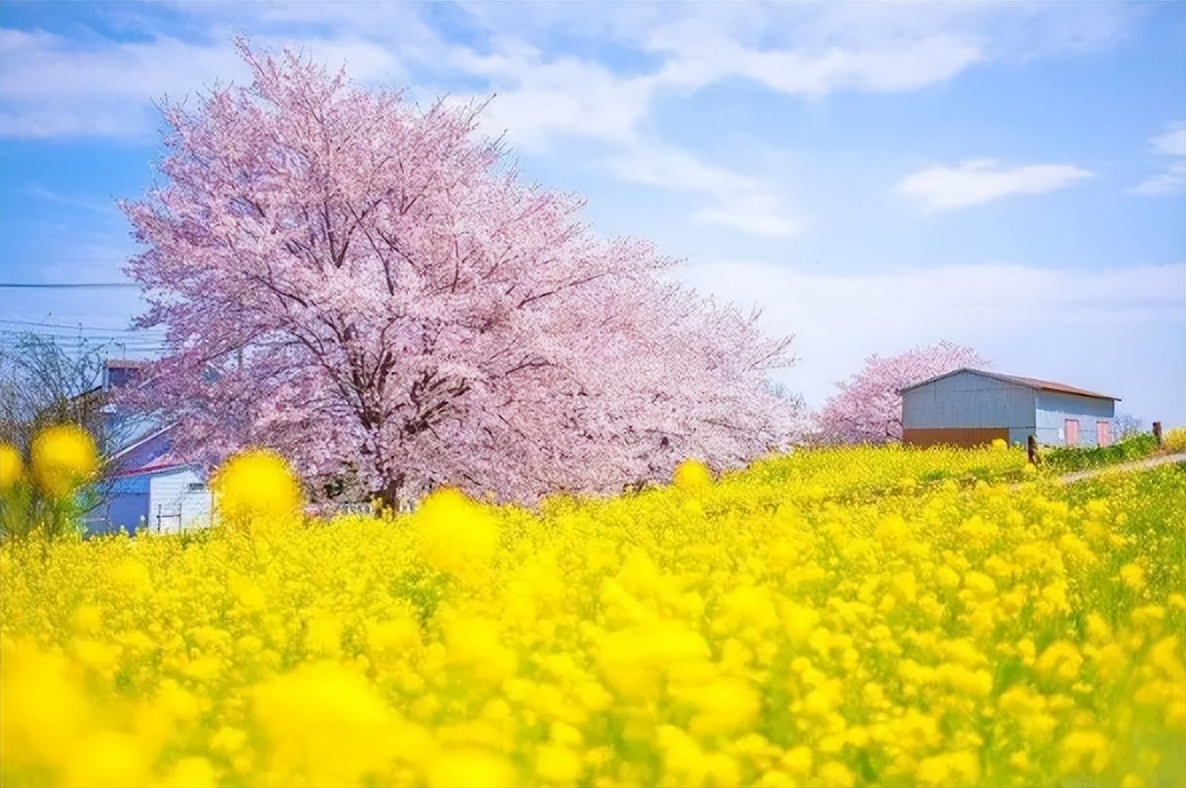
point(366, 288)
point(868, 407)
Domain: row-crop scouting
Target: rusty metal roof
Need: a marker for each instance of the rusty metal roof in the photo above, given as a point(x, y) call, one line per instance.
point(1047, 385)
point(1033, 383)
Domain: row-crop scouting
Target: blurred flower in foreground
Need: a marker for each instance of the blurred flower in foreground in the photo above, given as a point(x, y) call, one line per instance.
point(256, 486)
point(11, 466)
point(692, 474)
point(63, 457)
point(456, 533)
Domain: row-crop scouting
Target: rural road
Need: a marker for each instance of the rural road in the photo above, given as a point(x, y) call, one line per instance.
point(1151, 462)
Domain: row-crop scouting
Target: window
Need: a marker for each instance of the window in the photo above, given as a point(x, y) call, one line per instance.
point(1072, 432)
point(195, 487)
point(1103, 433)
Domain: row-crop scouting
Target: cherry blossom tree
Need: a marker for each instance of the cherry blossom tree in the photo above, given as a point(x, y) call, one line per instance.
point(363, 286)
point(868, 407)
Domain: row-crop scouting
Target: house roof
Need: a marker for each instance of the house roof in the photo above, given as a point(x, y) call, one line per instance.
point(141, 441)
point(1032, 383)
point(168, 460)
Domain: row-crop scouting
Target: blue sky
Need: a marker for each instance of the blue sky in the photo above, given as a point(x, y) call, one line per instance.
point(874, 176)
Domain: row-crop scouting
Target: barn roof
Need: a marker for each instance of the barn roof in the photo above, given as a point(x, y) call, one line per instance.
point(1032, 383)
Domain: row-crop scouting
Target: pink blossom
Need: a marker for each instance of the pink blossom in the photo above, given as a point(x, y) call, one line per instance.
point(362, 286)
point(868, 407)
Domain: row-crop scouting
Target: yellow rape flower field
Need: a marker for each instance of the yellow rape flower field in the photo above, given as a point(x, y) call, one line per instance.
point(834, 617)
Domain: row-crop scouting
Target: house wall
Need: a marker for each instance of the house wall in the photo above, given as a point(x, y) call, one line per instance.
point(126, 507)
point(178, 499)
point(1054, 408)
point(970, 401)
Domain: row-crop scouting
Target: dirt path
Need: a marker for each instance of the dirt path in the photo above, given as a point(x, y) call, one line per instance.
point(1151, 462)
point(1067, 478)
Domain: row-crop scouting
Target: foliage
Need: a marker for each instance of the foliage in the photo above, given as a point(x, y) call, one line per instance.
point(825, 618)
point(348, 279)
point(1175, 439)
point(1062, 459)
point(49, 498)
point(41, 384)
point(1126, 425)
point(868, 407)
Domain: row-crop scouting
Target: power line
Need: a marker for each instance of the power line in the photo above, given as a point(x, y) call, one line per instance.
point(64, 286)
point(78, 335)
point(78, 326)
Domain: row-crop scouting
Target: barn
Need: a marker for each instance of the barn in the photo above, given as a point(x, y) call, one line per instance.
point(970, 407)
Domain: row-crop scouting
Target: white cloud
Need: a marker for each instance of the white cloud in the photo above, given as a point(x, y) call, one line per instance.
point(52, 88)
point(1172, 180)
point(740, 202)
point(839, 320)
point(537, 99)
point(979, 181)
point(703, 55)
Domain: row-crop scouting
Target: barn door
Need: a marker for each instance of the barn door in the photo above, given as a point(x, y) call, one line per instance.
point(1072, 432)
point(1103, 433)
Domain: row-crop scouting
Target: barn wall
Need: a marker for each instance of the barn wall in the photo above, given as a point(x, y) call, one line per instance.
point(970, 401)
point(1054, 408)
point(173, 505)
point(967, 437)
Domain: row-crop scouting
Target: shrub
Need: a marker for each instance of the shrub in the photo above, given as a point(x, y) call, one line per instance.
point(1064, 459)
point(1175, 440)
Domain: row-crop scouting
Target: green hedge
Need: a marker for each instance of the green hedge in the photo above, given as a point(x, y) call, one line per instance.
point(1078, 458)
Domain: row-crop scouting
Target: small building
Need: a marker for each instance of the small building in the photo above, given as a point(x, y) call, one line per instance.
point(149, 487)
point(152, 489)
point(970, 407)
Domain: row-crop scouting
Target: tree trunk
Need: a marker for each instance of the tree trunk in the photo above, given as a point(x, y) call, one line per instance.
point(389, 493)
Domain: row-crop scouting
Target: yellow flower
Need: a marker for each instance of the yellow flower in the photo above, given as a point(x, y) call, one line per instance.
point(834, 774)
point(325, 724)
point(1133, 576)
point(63, 457)
point(456, 533)
point(817, 619)
point(11, 466)
point(558, 764)
point(725, 704)
point(797, 761)
point(692, 475)
point(471, 769)
point(256, 486)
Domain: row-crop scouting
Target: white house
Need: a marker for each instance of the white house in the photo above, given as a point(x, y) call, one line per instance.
point(152, 488)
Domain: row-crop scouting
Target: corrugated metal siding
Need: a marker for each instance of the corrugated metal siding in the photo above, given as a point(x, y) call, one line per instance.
point(1053, 410)
point(173, 506)
point(970, 401)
